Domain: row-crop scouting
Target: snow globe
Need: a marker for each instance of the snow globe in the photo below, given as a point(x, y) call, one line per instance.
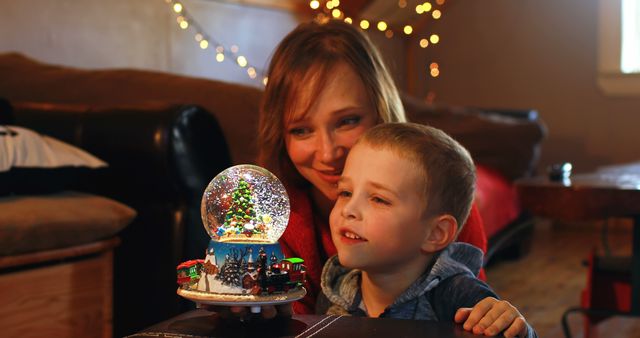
point(245, 210)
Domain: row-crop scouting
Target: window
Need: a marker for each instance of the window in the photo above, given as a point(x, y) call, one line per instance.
point(630, 59)
point(619, 47)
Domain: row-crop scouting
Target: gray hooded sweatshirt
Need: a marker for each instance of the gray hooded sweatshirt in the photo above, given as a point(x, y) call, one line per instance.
point(448, 284)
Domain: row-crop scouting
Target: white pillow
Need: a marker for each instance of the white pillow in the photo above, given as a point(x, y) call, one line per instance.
point(24, 148)
point(31, 163)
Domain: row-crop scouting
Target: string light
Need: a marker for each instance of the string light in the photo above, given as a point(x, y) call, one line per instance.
point(205, 41)
point(408, 29)
point(426, 7)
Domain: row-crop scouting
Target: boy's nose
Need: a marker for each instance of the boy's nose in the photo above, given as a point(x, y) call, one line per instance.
point(351, 209)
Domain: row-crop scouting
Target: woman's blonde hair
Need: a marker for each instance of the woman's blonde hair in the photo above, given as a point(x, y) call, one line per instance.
point(305, 57)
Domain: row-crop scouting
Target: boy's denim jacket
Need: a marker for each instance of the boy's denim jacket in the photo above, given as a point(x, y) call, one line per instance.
point(448, 284)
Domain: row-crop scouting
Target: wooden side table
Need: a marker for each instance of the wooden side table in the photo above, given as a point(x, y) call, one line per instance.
point(63, 292)
point(608, 192)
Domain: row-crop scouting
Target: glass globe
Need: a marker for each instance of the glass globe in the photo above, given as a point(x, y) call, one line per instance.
point(245, 204)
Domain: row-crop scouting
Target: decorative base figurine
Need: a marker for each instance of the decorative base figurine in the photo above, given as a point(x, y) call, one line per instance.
point(245, 210)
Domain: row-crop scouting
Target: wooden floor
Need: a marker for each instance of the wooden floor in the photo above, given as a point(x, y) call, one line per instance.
point(549, 279)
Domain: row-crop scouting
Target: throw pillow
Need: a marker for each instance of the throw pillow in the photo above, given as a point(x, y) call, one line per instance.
point(60, 220)
point(33, 163)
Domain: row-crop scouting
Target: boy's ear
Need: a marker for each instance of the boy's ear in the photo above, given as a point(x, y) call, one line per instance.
point(443, 230)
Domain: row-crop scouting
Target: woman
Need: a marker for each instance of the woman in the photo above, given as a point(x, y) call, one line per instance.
point(327, 85)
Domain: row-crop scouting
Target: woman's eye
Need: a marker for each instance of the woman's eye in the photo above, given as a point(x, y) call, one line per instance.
point(348, 121)
point(299, 131)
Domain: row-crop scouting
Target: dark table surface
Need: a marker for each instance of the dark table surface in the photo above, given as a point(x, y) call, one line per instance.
point(612, 191)
point(202, 323)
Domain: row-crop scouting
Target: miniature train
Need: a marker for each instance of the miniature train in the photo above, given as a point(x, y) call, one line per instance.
point(278, 277)
point(189, 271)
point(289, 274)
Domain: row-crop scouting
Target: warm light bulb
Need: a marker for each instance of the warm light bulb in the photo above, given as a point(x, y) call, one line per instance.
point(329, 5)
point(348, 20)
point(434, 72)
point(265, 80)
point(388, 34)
point(433, 65)
point(219, 49)
point(382, 26)
point(436, 14)
point(402, 3)
point(204, 44)
point(198, 37)
point(184, 24)
point(419, 9)
point(364, 24)
point(242, 61)
point(434, 38)
point(336, 13)
point(408, 29)
point(219, 57)
point(440, 2)
point(336, 3)
point(252, 72)
point(315, 4)
point(426, 6)
point(177, 7)
point(424, 43)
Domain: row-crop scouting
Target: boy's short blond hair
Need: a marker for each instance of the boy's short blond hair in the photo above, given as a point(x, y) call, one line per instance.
point(449, 172)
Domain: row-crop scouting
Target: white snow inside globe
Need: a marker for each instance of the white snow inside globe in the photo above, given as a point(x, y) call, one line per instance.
point(245, 204)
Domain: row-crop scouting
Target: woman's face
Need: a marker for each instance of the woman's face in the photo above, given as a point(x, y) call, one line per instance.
point(319, 139)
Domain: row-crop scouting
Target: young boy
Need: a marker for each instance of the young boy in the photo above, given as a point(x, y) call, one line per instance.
point(404, 193)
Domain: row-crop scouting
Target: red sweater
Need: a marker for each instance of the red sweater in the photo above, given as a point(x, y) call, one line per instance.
point(309, 238)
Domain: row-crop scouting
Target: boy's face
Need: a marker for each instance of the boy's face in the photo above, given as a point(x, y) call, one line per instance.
point(378, 221)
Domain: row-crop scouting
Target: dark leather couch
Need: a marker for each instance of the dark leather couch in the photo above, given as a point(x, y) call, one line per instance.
point(161, 158)
point(165, 136)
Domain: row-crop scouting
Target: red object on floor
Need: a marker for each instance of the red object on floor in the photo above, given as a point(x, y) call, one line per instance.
point(608, 288)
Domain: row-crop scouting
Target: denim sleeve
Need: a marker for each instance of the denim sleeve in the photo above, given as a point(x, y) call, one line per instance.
point(462, 290)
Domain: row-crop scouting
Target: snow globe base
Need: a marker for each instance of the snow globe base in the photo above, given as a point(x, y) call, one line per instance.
point(242, 274)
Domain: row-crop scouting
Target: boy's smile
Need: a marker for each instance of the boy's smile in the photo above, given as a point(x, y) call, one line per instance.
point(378, 221)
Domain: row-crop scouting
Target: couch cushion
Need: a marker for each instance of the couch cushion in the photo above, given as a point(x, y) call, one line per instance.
point(34, 223)
point(34, 163)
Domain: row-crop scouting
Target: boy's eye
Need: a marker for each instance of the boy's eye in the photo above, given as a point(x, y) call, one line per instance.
point(344, 193)
point(379, 200)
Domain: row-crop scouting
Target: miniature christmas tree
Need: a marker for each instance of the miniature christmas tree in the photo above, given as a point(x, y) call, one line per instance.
point(241, 218)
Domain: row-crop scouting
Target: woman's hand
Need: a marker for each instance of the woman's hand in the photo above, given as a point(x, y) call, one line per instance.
point(491, 316)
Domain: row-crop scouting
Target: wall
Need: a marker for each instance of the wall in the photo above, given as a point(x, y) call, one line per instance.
point(534, 54)
point(141, 34)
